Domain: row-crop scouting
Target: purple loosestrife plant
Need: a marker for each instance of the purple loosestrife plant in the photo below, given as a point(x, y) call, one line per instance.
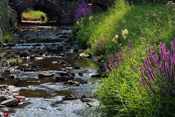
point(157, 72)
point(118, 59)
point(82, 11)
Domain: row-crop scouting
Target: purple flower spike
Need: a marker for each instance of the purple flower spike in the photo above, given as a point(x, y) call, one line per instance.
point(160, 70)
point(106, 66)
point(112, 57)
point(172, 49)
point(163, 91)
point(155, 48)
point(82, 11)
point(129, 44)
point(133, 67)
point(109, 59)
point(118, 58)
point(149, 49)
point(167, 70)
point(139, 85)
point(170, 87)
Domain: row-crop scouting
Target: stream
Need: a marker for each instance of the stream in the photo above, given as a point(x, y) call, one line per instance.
point(49, 71)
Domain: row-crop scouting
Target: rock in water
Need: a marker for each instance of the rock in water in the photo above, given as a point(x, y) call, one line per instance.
point(63, 79)
point(24, 54)
point(70, 97)
point(43, 75)
point(10, 102)
point(81, 81)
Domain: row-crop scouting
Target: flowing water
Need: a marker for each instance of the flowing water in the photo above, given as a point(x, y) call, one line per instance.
point(45, 97)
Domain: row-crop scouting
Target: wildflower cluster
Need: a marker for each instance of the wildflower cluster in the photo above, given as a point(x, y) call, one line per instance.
point(157, 72)
point(115, 39)
point(117, 59)
point(124, 33)
point(100, 44)
point(82, 11)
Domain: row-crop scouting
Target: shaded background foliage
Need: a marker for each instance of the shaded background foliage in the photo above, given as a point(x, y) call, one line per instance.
point(7, 18)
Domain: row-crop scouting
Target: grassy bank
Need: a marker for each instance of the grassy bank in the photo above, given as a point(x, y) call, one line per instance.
point(31, 15)
point(147, 23)
point(135, 40)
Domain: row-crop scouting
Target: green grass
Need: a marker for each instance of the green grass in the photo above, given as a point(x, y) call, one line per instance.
point(9, 36)
point(147, 24)
point(32, 14)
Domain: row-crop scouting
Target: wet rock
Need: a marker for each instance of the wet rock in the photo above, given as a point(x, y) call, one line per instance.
point(71, 82)
point(10, 102)
point(3, 87)
point(30, 70)
point(7, 71)
point(64, 74)
point(1, 78)
point(80, 50)
point(81, 81)
point(87, 99)
point(34, 55)
point(13, 76)
point(76, 67)
point(80, 74)
point(86, 96)
point(24, 53)
point(68, 47)
point(43, 75)
point(61, 62)
point(69, 68)
point(96, 76)
point(62, 55)
point(72, 74)
point(60, 48)
point(13, 89)
point(63, 79)
point(61, 69)
point(54, 62)
point(90, 104)
point(39, 58)
point(35, 66)
point(2, 106)
point(51, 49)
point(85, 55)
point(34, 50)
point(2, 98)
point(69, 97)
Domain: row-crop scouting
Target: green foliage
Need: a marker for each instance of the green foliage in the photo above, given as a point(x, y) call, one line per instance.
point(7, 15)
point(145, 22)
point(9, 36)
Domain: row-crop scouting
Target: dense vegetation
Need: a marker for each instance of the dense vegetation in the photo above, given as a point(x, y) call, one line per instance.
point(135, 40)
point(32, 15)
point(7, 18)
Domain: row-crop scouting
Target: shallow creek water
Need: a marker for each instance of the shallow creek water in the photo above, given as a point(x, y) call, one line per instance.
point(44, 96)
